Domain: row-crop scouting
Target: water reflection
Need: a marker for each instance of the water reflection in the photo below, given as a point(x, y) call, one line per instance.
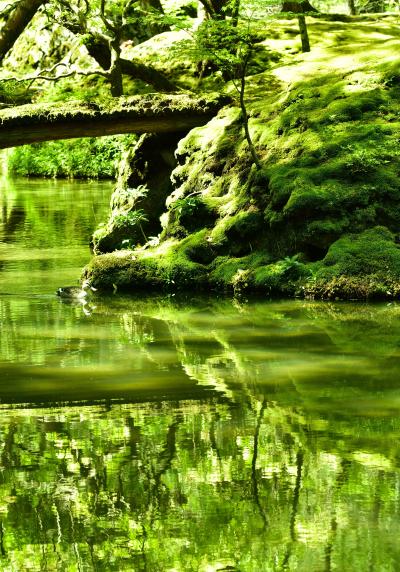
point(246, 447)
point(45, 228)
point(161, 433)
point(194, 486)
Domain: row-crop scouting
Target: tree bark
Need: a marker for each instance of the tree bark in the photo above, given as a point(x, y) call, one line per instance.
point(235, 12)
point(16, 24)
point(214, 8)
point(352, 7)
point(100, 51)
point(117, 87)
point(301, 7)
point(245, 116)
point(305, 41)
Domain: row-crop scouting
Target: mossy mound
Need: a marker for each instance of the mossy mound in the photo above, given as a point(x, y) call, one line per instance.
point(326, 129)
point(360, 266)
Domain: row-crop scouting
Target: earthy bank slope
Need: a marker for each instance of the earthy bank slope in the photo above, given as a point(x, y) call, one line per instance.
point(322, 218)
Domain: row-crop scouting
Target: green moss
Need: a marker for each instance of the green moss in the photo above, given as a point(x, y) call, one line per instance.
point(198, 248)
point(310, 221)
point(233, 273)
point(238, 234)
point(166, 269)
point(372, 251)
point(370, 287)
point(191, 213)
point(282, 277)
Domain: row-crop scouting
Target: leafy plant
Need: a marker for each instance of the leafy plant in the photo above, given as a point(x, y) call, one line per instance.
point(89, 158)
point(362, 162)
point(131, 219)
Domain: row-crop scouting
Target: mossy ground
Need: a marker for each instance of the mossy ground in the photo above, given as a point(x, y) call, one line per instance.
point(322, 217)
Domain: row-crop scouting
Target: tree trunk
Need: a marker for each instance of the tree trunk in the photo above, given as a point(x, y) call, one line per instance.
point(117, 88)
point(100, 51)
point(352, 7)
point(116, 84)
point(300, 7)
point(16, 24)
point(136, 114)
point(245, 116)
point(305, 41)
point(235, 12)
point(214, 8)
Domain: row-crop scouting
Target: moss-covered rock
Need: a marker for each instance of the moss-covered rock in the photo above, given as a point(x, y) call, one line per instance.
point(360, 266)
point(322, 215)
point(166, 268)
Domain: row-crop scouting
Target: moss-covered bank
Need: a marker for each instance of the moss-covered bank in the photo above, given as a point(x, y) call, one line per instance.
point(322, 217)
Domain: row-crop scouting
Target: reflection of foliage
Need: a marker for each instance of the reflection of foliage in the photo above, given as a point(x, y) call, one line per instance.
point(136, 331)
point(264, 450)
point(145, 483)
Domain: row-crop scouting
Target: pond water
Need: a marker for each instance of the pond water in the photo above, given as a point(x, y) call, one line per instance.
point(198, 434)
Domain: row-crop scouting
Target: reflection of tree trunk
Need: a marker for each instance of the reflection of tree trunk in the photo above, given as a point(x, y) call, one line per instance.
point(91, 551)
point(254, 463)
point(143, 548)
point(296, 493)
point(2, 548)
point(8, 454)
point(154, 492)
point(134, 437)
point(13, 221)
point(341, 478)
point(169, 451)
point(329, 545)
point(16, 24)
point(213, 440)
point(295, 506)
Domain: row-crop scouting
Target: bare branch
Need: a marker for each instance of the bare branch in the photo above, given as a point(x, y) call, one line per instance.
point(107, 23)
point(40, 76)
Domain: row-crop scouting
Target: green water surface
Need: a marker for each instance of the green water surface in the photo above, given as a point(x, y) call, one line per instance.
point(152, 433)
